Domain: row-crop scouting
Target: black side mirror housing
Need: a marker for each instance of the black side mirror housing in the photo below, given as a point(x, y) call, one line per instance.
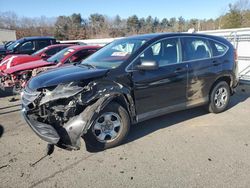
point(148, 65)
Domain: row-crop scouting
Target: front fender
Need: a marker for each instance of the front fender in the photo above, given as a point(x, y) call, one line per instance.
point(111, 90)
point(96, 96)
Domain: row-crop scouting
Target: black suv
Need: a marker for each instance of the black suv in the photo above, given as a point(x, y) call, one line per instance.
point(128, 81)
point(27, 45)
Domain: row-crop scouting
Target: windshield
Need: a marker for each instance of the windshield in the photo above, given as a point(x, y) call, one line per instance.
point(8, 43)
point(13, 45)
point(60, 55)
point(114, 54)
point(39, 51)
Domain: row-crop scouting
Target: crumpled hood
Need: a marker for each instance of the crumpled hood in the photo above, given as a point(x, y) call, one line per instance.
point(20, 59)
point(64, 74)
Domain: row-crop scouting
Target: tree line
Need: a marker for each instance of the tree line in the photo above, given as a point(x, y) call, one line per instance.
point(97, 25)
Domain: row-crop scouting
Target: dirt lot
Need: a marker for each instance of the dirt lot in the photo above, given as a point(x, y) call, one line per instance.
point(186, 149)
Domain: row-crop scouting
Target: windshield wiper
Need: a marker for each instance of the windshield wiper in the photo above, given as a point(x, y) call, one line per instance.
point(89, 65)
point(76, 63)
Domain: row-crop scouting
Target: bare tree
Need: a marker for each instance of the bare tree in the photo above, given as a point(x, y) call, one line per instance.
point(100, 26)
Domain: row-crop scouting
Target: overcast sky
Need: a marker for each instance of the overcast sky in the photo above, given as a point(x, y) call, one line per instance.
point(142, 8)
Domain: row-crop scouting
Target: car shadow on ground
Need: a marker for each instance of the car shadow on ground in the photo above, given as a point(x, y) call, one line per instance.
point(242, 94)
point(1, 130)
point(147, 127)
point(144, 128)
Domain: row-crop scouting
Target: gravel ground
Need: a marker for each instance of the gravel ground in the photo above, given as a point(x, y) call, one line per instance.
point(190, 148)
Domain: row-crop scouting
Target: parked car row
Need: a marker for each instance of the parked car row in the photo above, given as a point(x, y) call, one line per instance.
point(14, 54)
point(17, 69)
point(27, 45)
point(44, 53)
point(128, 81)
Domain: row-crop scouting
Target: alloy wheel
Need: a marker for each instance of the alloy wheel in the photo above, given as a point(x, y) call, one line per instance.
point(107, 127)
point(221, 97)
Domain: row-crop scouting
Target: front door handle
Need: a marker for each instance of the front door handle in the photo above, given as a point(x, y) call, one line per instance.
point(179, 70)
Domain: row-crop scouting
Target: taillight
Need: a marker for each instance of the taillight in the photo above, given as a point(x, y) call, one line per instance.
point(235, 56)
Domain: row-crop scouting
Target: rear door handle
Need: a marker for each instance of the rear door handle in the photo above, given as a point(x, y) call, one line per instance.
point(215, 63)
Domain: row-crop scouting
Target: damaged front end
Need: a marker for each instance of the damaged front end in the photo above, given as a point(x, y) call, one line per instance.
point(61, 115)
point(6, 80)
point(17, 81)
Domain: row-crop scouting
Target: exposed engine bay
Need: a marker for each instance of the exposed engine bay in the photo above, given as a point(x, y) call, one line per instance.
point(58, 105)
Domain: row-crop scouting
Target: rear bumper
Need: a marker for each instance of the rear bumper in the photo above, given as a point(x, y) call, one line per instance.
point(234, 87)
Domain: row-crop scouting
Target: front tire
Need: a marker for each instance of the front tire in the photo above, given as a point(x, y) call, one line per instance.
point(16, 89)
point(109, 129)
point(219, 97)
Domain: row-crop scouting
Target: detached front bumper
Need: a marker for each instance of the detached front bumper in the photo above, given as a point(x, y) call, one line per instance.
point(66, 136)
point(44, 131)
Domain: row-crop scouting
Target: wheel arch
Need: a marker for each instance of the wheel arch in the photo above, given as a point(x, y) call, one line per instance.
point(121, 99)
point(124, 102)
point(113, 92)
point(227, 78)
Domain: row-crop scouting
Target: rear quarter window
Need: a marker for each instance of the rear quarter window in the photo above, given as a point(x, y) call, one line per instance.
point(218, 48)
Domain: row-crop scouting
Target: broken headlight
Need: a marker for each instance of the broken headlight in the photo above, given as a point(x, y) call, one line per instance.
point(60, 92)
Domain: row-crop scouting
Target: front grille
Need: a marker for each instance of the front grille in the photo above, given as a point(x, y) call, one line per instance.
point(28, 98)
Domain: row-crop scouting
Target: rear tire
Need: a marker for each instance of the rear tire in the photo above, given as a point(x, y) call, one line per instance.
point(109, 129)
point(219, 97)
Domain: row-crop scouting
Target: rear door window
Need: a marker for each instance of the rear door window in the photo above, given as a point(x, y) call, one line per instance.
point(195, 48)
point(79, 56)
point(52, 51)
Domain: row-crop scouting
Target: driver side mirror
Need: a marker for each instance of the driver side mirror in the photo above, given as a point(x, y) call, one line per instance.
point(148, 65)
point(71, 60)
point(44, 56)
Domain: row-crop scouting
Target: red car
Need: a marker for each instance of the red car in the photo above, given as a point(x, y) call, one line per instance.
point(17, 76)
point(44, 53)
